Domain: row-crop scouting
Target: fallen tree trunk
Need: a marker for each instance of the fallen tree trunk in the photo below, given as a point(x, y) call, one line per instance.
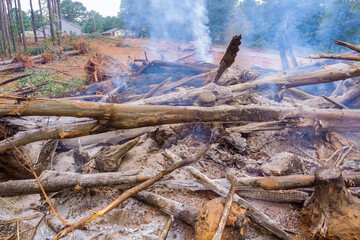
point(125, 116)
point(55, 181)
point(20, 65)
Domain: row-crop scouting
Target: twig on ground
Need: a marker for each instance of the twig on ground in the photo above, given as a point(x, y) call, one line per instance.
point(166, 229)
point(227, 207)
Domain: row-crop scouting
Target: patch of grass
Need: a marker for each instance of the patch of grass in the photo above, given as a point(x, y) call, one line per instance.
point(56, 87)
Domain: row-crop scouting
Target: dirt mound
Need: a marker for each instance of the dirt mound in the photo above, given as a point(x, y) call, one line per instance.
point(94, 68)
point(28, 63)
point(81, 45)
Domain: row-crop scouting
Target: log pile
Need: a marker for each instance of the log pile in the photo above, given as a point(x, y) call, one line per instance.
point(156, 121)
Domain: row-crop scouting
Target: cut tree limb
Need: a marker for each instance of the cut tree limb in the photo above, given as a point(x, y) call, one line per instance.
point(55, 181)
point(348, 45)
point(65, 131)
point(352, 57)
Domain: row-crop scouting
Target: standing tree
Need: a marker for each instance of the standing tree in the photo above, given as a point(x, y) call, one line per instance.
point(12, 24)
point(73, 11)
point(33, 20)
point(60, 23)
point(51, 21)
point(22, 26)
point(42, 20)
point(5, 27)
point(3, 35)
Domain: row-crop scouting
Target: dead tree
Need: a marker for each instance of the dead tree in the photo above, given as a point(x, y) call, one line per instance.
point(229, 57)
point(332, 213)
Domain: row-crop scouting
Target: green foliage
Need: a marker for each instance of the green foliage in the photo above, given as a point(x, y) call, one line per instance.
point(56, 86)
point(36, 50)
point(220, 14)
point(73, 11)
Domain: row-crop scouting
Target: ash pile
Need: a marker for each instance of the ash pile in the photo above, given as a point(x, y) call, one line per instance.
point(179, 150)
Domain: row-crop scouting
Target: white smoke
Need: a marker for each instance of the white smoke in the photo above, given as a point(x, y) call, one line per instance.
point(183, 21)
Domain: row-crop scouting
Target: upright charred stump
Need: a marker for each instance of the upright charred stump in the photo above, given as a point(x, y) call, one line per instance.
point(229, 57)
point(332, 212)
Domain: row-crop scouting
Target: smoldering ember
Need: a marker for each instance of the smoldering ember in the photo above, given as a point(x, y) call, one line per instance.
point(200, 120)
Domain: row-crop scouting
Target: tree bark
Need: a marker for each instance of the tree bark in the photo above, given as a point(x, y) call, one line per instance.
point(60, 23)
point(51, 21)
point(33, 21)
point(332, 212)
point(54, 182)
point(125, 116)
point(229, 57)
point(22, 26)
point(12, 24)
point(3, 29)
point(42, 20)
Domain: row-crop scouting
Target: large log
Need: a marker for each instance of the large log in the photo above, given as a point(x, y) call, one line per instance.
point(126, 116)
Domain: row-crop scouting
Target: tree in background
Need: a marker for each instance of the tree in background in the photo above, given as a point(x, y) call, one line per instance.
point(33, 20)
point(73, 11)
point(42, 20)
point(133, 14)
point(220, 13)
point(22, 25)
point(12, 24)
point(52, 30)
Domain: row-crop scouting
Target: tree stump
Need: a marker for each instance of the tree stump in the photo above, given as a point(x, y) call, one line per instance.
point(332, 212)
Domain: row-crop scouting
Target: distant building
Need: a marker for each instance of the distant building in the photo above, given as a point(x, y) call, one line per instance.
point(67, 28)
point(119, 32)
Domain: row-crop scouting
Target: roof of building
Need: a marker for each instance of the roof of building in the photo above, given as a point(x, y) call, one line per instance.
point(111, 30)
point(71, 23)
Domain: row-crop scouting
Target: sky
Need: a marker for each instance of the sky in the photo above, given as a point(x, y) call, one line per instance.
point(104, 7)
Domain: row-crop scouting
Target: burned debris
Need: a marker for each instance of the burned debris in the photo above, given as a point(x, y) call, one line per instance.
point(126, 142)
